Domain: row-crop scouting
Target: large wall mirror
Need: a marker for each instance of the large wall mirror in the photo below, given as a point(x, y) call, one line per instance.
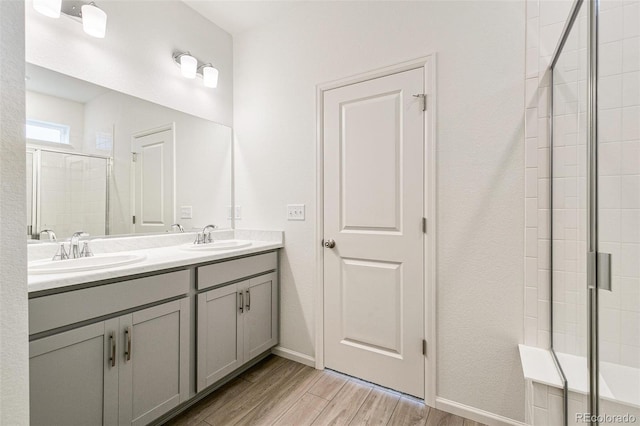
point(108, 163)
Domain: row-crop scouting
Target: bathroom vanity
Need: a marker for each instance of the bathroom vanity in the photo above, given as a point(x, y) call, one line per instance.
point(134, 343)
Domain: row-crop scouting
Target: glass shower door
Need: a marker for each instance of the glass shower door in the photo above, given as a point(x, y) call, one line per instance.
point(618, 194)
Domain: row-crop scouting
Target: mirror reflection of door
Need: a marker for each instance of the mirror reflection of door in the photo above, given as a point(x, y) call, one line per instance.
point(153, 201)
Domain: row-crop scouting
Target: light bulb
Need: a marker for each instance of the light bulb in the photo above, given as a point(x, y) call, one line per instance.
point(50, 8)
point(188, 65)
point(210, 76)
point(94, 21)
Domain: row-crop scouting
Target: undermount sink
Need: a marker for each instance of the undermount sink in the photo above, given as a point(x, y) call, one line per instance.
point(218, 245)
point(99, 261)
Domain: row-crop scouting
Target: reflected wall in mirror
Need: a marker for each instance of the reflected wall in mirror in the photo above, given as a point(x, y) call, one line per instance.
point(109, 163)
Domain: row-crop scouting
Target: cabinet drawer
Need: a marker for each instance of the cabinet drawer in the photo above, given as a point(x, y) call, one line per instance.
point(232, 270)
point(58, 310)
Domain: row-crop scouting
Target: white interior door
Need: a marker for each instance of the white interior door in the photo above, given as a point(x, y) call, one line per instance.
point(373, 210)
point(153, 156)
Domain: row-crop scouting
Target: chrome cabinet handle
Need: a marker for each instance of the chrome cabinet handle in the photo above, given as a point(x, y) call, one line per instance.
point(248, 300)
point(241, 307)
point(127, 353)
point(329, 244)
point(113, 350)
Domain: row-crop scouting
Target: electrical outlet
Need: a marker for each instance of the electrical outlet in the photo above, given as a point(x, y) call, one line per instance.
point(295, 211)
point(238, 212)
point(186, 212)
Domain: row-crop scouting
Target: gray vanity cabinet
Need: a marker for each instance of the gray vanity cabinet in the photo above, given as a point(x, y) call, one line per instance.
point(236, 323)
point(72, 379)
point(127, 370)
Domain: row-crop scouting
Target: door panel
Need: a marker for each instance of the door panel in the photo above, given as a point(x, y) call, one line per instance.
point(372, 305)
point(373, 209)
point(260, 318)
point(154, 181)
point(220, 336)
point(370, 131)
point(151, 371)
point(71, 379)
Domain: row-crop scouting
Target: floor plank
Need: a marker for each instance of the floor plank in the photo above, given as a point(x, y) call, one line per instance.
point(328, 385)
point(377, 408)
point(234, 410)
point(281, 399)
point(264, 368)
point(303, 412)
point(468, 422)
point(409, 412)
point(344, 406)
point(440, 418)
point(196, 414)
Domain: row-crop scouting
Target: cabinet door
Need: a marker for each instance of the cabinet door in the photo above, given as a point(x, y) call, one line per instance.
point(219, 333)
point(154, 362)
point(261, 315)
point(72, 378)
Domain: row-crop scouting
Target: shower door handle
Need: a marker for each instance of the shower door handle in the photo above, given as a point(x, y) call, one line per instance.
point(599, 270)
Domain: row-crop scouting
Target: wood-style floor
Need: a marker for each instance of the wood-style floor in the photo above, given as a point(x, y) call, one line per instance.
point(281, 392)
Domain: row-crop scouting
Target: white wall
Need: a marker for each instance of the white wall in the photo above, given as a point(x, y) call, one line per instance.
point(14, 349)
point(135, 56)
point(480, 47)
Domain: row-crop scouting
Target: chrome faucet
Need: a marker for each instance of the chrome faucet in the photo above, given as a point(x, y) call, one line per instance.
point(177, 226)
point(74, 250)
point(205, 237)
point(49, 232)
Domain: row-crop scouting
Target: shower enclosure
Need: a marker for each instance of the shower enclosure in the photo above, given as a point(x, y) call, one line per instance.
point(595, 211)
point(67, 192)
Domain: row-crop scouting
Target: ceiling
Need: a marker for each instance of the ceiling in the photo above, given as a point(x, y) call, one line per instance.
point(237, 16)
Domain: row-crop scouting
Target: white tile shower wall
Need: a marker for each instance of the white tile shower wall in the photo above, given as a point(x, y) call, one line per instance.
point(73, 194)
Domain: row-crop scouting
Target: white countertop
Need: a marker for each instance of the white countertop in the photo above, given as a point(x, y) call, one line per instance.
point(157, 259)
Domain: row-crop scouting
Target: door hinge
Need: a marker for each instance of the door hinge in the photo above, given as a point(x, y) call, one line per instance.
point(134, 219)
point(424, 347)
point(423, 98)
point(424, 225)
point(134, 156)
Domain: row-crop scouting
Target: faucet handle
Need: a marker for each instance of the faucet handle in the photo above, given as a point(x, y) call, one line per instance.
point(61, 253)
point(86, 251)
point(177, 225)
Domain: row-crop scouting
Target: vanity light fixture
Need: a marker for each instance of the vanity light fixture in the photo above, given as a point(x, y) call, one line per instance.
point(191, 68)
point(94, 19)
point(209, 76)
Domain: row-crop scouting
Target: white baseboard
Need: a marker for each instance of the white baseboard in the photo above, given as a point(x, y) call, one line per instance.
point(475, 414)
point(294, 356)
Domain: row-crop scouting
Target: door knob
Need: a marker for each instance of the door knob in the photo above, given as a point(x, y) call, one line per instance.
point(329, 244)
